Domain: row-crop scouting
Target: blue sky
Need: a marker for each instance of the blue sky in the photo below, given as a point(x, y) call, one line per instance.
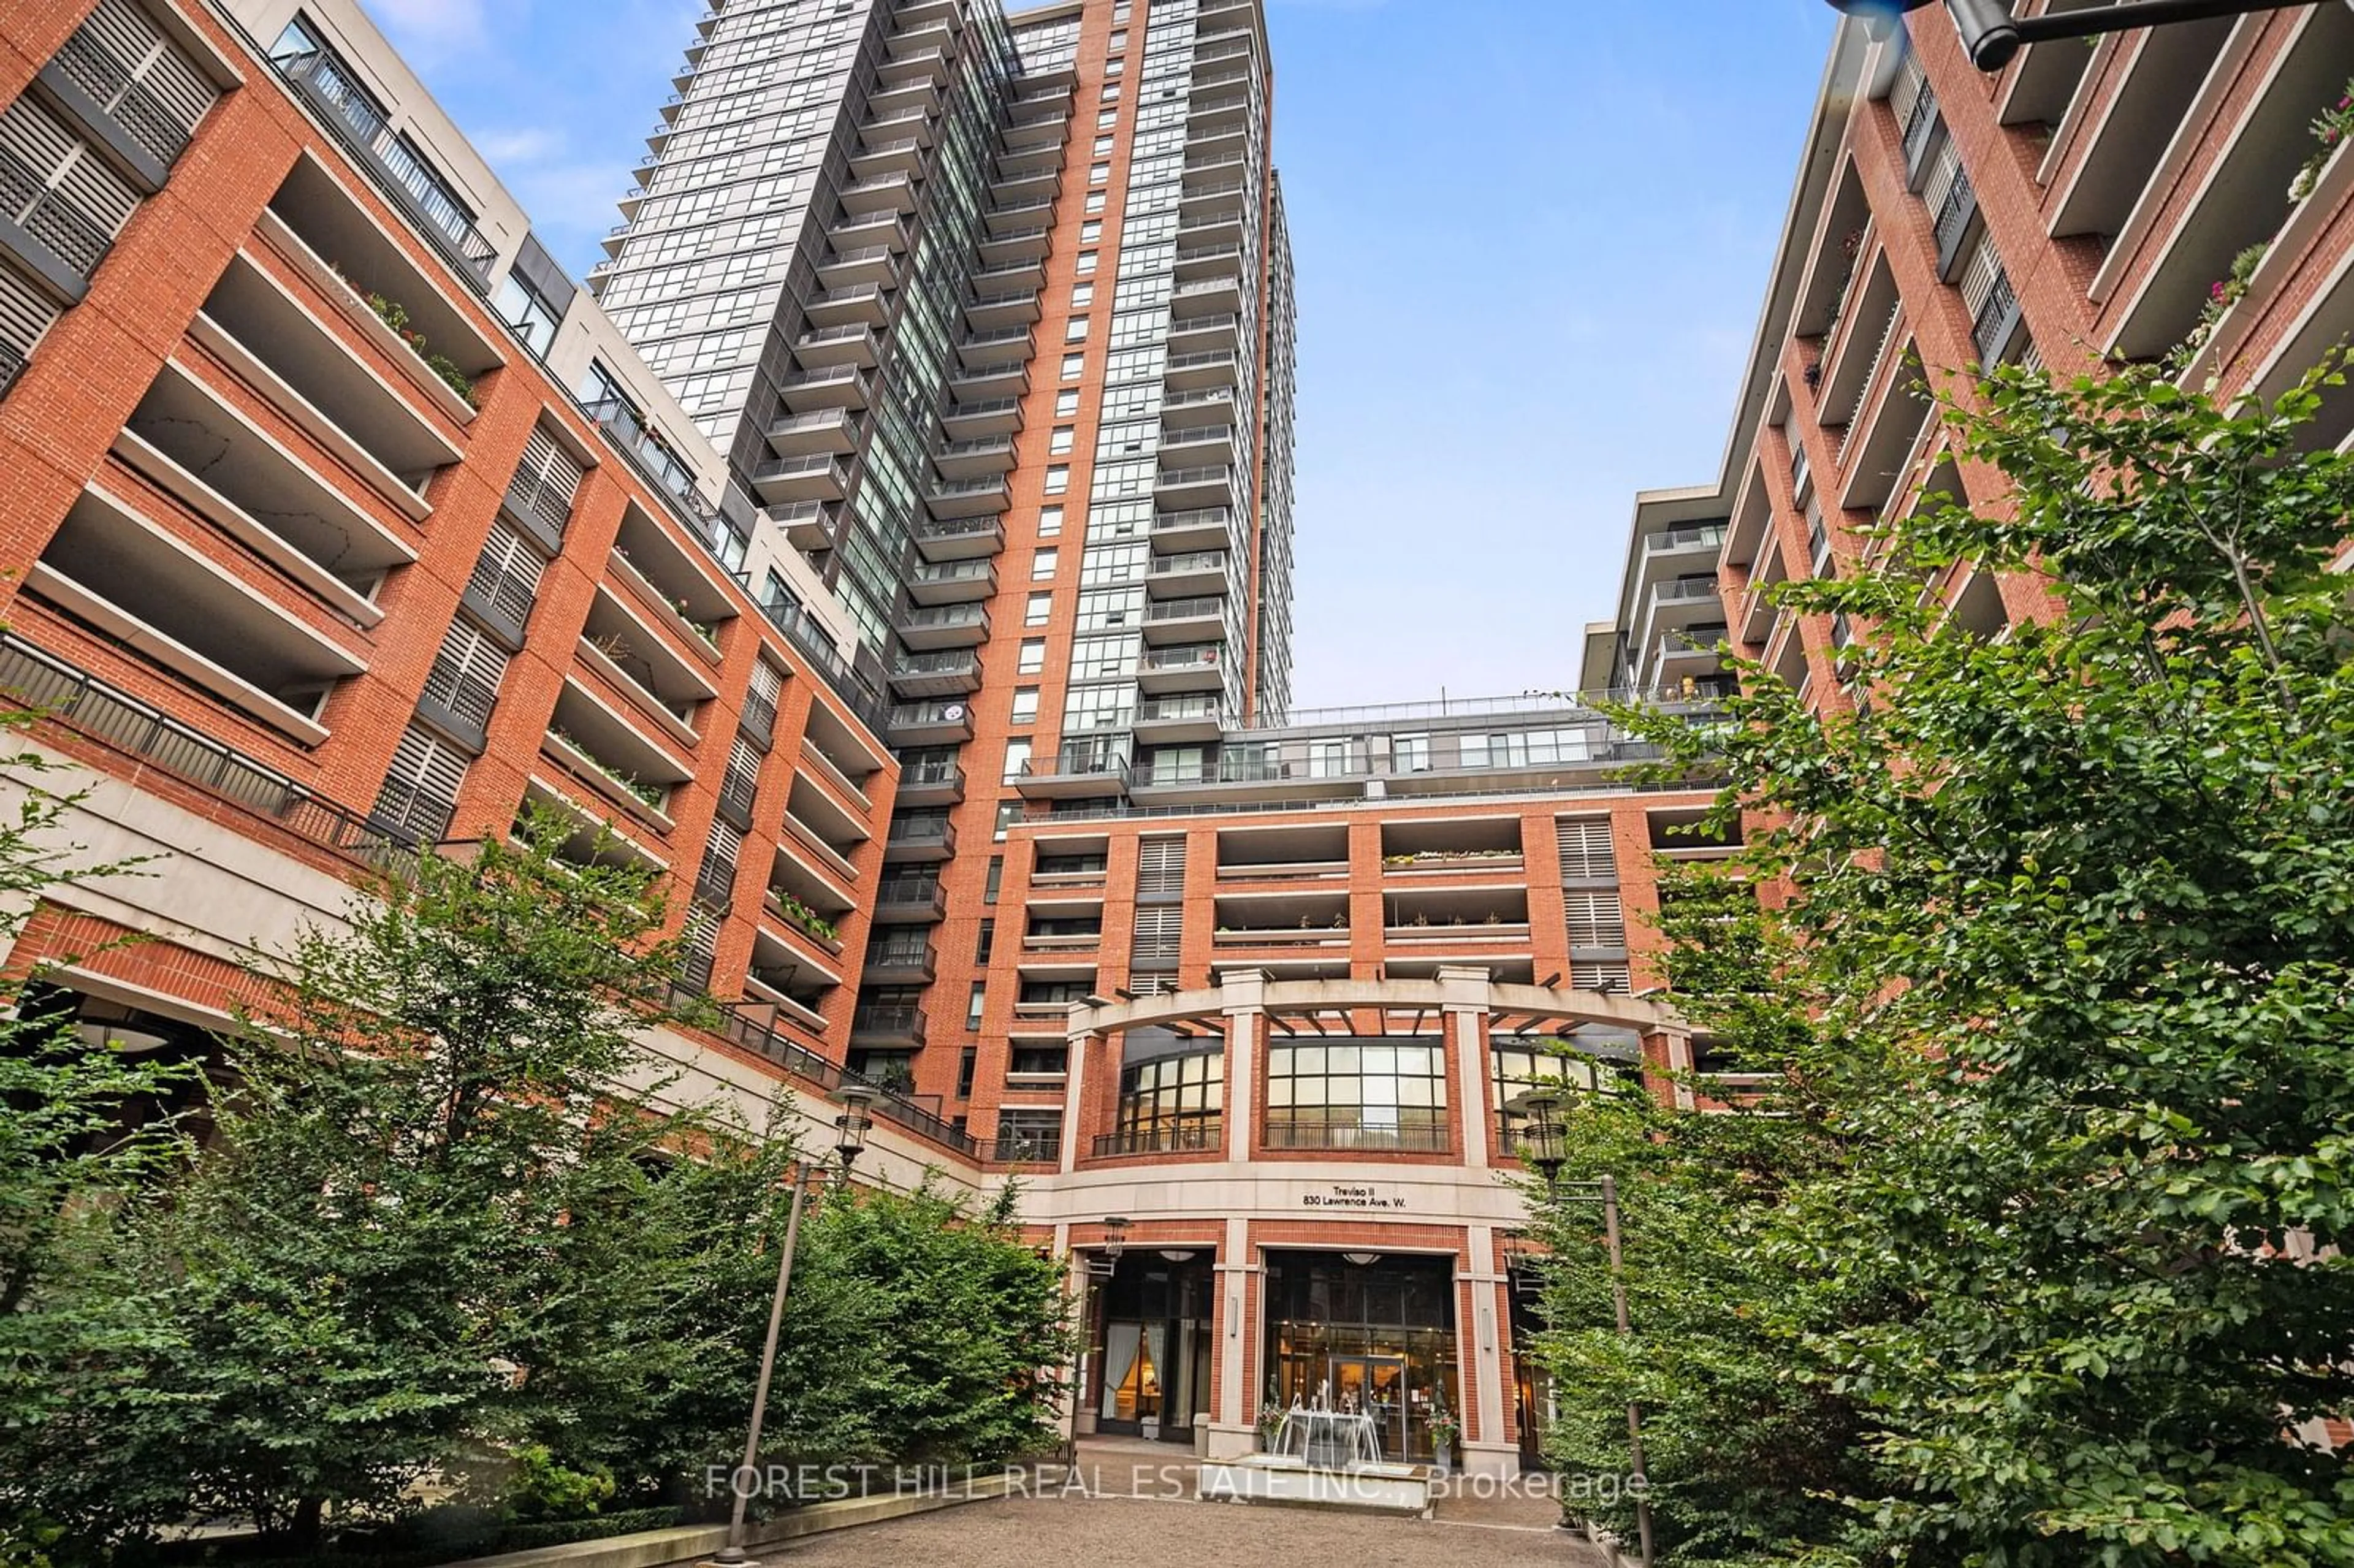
point(1531, 238)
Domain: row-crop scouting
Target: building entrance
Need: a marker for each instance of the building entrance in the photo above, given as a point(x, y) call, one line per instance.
point(1367, 1332)
point(1153, 1364)
point(1374, 1386)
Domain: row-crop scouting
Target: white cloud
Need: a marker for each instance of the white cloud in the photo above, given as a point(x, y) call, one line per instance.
point(524, 144)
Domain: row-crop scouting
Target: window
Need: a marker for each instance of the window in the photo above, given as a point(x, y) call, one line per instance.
point(1076, 330)
point(1017, 760)
point(1103, 146)
point(1031, 1135)
point(1066, 403)
point(1008, 813)
point(1039, 610)
point(1059, 443)
point(1091, 232)
point(527, 311)
point(1110, 93)
point(1025, 704)
point(1172, 1102)
point(1040, 1061)
point(1410, 753)
point(968, 1058)
point(1086, 263)
point(1118, 40)
point(1099, 174)
point(1082, 294)
point(1044, 565)
point(1058, 479)
point(1050, 522)
point(1107, 119)
point(1096, 202)
point(1033, 658)
point(995, 880)
point(1073, 363)
point(1373, 1093)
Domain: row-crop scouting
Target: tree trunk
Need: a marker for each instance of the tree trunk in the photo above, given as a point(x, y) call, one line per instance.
point(309, 1514)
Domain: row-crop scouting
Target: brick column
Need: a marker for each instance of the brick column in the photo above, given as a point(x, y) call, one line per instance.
point(1488, 1447)
point(1463, 998)
point(1244, 1003)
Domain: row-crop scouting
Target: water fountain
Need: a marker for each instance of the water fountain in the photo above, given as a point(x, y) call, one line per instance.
point(1322, 1456)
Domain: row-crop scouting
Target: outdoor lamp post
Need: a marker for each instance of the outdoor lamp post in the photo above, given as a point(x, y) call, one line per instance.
point(1544, 1146)
point(850, 1140)
point(850, 1129)
point(1991, 36)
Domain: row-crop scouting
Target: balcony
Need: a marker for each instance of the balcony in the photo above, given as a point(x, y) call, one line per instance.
point(891, 191)
point(919, 95)
point(647, 667)
point(921, 838)
point(878, 156)
point(929, 724)
point(1179, 489)
point(1164, 720)
point(866, 304)
point(927, 66)
point(1000, 309)
point(1200, 667)
point(837, 345)
point(1020, 214)
point(1197, 263)
point(1415, 1138)
point(1077, 774)
point(959, 538)
point(888, 1024)
point(986, 417)
point(943, 626)
point(1183, 619)
point(855, 265)
point(808, 524)
point(1217, 294)
point(1190, 372)
point(983, 383)
point(948, 673)
point(1192, 573)
point(931, 784)
point(256, 490)
point(979, 457)
point(1198, 1134)
point(901, 963)
point(835, 387)
point(1195, 446)
point(952, 582)
point(1207, 115)
point(1007, 246)
point(350, 113)
point(1195, 528)
point(815, 478)
point(832, 431)
point(230, 630)
point(66, 694)
point(1036, 1146)
point(593, 743)
point(911, 900)
point(1027, 184)
point(864, 230)
point(966, 497)
point(1012, 277)
point(1050, 129)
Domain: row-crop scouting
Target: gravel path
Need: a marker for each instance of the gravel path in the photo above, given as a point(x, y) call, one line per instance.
point(1119, 1532)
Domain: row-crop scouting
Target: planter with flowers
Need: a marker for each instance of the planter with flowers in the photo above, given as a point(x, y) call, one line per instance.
point(2222, 295)
point(2332, 128)
point(1444, 1430)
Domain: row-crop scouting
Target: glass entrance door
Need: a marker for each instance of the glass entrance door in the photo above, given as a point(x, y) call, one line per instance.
point(1376, 1386)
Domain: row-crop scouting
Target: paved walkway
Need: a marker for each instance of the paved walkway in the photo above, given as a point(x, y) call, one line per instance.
point(1132, 1504)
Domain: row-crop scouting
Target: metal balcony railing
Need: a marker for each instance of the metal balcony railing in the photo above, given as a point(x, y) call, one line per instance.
point(1428, 1138)
point(353, 117)
point(63, 694)
point(1196, 1136)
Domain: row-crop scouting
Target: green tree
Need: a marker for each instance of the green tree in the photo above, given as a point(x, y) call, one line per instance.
point(2070, 922)
point(352, 1288)
point(81, 1127)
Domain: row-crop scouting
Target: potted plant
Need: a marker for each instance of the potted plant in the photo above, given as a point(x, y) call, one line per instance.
point(1443, 1432)
point(1271, 1423)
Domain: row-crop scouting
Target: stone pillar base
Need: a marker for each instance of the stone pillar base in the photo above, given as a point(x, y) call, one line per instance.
point(1228, 1440)
point(1498, 1460)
